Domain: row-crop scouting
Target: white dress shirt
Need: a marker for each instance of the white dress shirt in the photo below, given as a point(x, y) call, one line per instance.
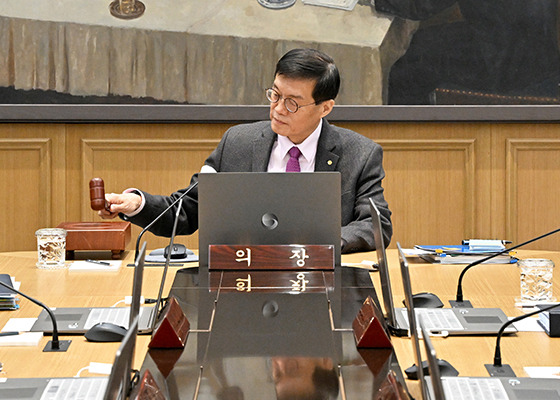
point(279, 156)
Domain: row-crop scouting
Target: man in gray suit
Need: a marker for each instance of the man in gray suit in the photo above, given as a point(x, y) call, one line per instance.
point(306, 83)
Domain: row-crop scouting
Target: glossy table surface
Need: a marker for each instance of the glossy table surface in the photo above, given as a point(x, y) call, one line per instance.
point(274, 341)
point(485, 285)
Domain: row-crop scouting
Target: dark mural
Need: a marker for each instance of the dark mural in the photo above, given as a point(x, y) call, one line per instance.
point(501, 51)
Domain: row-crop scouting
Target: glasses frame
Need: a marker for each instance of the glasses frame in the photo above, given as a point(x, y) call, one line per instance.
point(287, 100)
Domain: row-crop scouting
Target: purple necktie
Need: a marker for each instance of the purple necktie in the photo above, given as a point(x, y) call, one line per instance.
point(293, 162)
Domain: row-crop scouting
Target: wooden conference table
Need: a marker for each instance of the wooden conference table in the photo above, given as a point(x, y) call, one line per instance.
point(485, 285)
point(488, 285)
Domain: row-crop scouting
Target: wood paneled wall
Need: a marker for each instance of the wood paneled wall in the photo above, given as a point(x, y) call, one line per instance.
point(444, 181)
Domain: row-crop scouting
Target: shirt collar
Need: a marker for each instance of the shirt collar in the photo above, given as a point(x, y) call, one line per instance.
point(308, 147)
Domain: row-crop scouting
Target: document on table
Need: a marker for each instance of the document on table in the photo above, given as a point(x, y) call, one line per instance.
point(17, 333)
point(347, 5)
point(112, 265)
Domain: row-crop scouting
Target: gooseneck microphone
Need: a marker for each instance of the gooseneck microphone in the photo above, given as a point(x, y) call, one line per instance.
point(97, 195)
point(206, 169)
point(497, 369)
point(187, 191)
point(54, 344)
point(459, 299)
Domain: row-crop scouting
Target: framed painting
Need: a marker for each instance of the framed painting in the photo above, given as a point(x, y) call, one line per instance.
point(182, 61)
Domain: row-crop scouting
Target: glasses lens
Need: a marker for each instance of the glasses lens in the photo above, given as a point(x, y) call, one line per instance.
point(291, 105)
point(272, 96)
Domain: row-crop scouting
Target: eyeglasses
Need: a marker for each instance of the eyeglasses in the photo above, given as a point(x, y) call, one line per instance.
point(291, 105)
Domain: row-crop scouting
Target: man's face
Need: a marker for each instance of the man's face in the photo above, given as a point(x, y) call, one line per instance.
point(293, 376)
point(297, 126)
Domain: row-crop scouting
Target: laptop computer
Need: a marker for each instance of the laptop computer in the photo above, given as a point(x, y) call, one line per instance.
point(412, 318)
point(383, 268)
point(114, 387)
point(483, 388)
point(259, 208)
point(78, 320)
point(439, 321)
point(120, 380)
point(456, 321)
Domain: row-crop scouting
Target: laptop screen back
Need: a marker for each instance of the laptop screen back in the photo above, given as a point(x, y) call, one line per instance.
point(412, 319)
point(137, 284)
point(121, 374)
point(433, 366)
point(254, 208)
point(166, 266)
point(383, 266)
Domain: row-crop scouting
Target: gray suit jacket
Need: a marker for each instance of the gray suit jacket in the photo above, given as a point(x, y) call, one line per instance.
point(247, 147)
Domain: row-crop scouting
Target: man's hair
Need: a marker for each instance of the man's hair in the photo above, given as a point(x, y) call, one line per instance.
point(311, 64)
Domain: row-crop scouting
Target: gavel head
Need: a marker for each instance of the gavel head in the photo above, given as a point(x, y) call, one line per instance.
point(97, 194)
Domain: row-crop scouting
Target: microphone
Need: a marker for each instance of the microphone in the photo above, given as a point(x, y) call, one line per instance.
point(497, 369)
point(459, 302)
point(54, 344)
point(97, 195)
point(180, 198)
point(205, 169)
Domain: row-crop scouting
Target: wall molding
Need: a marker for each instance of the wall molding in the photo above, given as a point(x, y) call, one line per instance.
point(44, 147)
point(514, 147)
point(466, 146)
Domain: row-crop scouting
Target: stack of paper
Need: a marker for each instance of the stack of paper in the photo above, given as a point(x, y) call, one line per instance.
point(461, 254)
point(8, 299)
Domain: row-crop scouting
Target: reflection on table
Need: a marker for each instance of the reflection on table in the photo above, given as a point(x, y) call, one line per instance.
point(485, 286)
point(274, 342)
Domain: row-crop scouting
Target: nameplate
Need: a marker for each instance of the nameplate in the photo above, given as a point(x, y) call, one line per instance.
point(271, 257)
point(277, 281)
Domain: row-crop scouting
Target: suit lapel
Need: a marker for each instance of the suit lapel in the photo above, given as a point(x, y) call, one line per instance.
point(262, 147)
point(326, 158)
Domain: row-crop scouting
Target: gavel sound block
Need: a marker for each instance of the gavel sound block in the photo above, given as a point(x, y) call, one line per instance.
point(112, 236)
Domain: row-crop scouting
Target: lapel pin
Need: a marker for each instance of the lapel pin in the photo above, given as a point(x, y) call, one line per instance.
point(329, 162)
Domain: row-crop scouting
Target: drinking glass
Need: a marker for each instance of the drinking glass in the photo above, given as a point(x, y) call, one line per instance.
point(536, 279)
point(51, 248)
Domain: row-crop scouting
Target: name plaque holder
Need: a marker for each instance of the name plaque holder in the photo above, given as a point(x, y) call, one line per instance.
point(271, 257)
point(368, 329)
point(172, 330)
point(147, 389)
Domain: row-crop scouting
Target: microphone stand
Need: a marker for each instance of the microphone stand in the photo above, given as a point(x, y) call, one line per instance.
point(497, 369)
point(54, 344)
point(459, 302)
point(159, 216)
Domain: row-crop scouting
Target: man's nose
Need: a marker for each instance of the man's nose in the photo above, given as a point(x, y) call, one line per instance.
point(280, 107)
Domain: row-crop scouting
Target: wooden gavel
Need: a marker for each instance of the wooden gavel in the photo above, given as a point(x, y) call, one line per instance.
point(97, 195)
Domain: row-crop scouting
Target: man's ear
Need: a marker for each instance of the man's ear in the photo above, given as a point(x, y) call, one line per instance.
point(327, 107)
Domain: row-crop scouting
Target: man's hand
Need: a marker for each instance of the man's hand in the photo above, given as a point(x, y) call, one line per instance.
point(125, 203)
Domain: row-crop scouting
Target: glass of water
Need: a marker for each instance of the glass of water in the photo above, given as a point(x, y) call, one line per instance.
point(51, 248)
point(536, 279)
